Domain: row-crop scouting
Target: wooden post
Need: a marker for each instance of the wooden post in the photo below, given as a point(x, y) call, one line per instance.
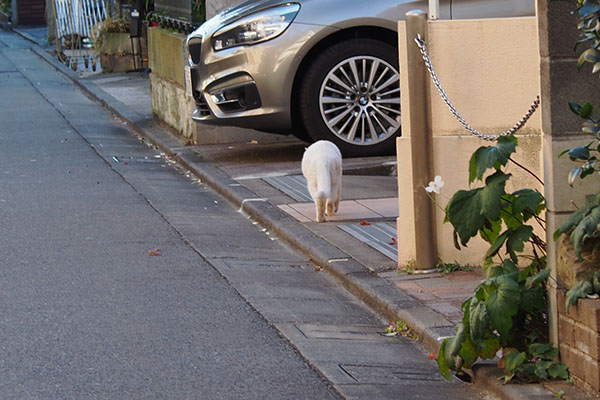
point(421, 145)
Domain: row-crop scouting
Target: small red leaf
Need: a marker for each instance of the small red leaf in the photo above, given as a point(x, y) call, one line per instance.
point(431, 356)
point(155, 252)
point(393, 242)
point(364, 223)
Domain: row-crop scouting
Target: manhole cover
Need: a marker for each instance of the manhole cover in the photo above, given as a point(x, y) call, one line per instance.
point(380, 236)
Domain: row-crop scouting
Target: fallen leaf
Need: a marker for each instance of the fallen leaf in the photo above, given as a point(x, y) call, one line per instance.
point(393, 242)
point(254, 142)
point(155, 252)
point(318, 268)
point(364, 223)
point(431, 356)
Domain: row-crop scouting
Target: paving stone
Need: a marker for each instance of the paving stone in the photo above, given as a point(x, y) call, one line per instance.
point(258, 290)
point(402, 353)
point(409, 286)
point(314, 311)
point(444, 308)
point(450, 292)
point(415, 277)
point(392, 374)
point(462, 276)
point(281, 278)
point(433, 283)
point(428, 391)
point(424, 296)
point(342, 332)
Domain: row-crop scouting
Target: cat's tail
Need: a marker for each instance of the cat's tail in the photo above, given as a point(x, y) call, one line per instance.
point(323, 185)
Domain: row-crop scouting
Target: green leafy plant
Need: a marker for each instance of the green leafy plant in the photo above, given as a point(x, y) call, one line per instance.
point(447, 268)
point(5, 6)
point(110, 25)
point(583, 224)
point(508, 309)
point(400, 328)
point(198, 11)
point(538, 363)
point(582, 289)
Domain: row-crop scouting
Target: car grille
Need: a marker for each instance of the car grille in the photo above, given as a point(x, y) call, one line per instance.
point(202, 106)
point(195, 49)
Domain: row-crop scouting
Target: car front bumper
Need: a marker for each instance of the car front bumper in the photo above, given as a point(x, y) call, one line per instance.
point(248, 86)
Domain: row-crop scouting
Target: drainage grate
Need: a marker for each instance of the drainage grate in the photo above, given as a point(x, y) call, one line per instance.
point(380, 236)
point(292, 185)
point(390, 374)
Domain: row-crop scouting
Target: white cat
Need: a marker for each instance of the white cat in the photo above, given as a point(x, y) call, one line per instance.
point(322, 168)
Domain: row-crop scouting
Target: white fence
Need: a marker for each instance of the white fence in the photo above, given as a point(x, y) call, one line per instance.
point(78, 17)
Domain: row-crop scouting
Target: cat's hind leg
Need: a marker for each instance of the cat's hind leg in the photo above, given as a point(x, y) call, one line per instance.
point(320, 203)
point(331, 210)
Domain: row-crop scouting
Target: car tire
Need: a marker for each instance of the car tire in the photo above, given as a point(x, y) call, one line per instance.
point(350, 95)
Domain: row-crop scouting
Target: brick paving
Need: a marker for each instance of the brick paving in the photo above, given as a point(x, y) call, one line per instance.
point(442, 292)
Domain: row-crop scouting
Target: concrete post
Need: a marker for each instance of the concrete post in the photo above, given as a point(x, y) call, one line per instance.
point(434, 9)
point(421, 144)
point(14, 10)
point(560, 83)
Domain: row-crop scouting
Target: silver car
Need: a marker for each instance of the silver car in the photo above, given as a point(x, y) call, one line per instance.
point(318, 69)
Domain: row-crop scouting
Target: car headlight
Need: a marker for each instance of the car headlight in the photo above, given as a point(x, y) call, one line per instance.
point(255, 28)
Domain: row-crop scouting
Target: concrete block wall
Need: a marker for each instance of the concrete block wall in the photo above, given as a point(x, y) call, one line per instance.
point(170, 102)
point(579, 336)
point(490, 70)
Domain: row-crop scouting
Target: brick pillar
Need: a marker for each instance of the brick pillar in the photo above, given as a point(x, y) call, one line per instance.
point(560, 83)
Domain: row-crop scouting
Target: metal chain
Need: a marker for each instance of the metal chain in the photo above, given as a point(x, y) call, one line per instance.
point(436, 81)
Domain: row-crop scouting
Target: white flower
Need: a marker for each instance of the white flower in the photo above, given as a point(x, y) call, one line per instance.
point(435, 185)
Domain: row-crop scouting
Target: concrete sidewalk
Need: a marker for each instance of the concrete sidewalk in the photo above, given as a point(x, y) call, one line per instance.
point(357, 246)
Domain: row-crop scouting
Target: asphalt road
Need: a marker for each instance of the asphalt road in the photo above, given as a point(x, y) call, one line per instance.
point(85, 310)
point(122, 277)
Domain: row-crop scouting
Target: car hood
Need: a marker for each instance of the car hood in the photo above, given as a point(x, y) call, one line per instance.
point(234, 13)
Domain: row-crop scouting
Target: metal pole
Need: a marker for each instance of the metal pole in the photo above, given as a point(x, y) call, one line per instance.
point(434, 9)
point(421, 142)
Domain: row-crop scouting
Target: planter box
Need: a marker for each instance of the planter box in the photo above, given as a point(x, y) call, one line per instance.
point(569, 269)
point(116, 53)
point(579, 337)
point(579, 329)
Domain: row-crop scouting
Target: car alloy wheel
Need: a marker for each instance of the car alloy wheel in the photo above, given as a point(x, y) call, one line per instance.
point(359, 100)
point(350, 95)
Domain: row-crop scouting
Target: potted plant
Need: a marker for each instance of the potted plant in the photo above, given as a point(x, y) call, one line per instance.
point(114, 45)
point(5, 10)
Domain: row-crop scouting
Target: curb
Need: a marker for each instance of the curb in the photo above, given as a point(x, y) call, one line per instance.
point(381, 295)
